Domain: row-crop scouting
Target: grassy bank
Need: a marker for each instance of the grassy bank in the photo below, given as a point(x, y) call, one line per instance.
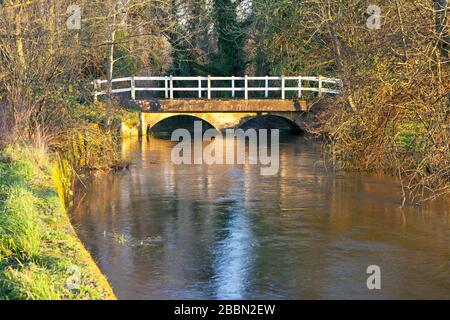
point(41, 257)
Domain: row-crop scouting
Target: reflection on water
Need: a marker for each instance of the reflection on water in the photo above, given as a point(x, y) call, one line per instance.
point(226, 232)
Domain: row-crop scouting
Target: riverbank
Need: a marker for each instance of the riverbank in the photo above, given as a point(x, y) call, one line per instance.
point(41, 256)
point(416, 153)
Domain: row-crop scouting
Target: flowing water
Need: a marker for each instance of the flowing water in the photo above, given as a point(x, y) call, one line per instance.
point(161, 231)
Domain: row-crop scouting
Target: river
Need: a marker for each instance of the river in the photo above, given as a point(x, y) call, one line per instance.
point(161, 231)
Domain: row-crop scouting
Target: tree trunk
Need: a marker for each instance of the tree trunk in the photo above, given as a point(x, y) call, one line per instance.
point(336, 43)
point(337, 49)
point(402, 29)
point(110, 62)
point(441, 9)
point(52, 27)
point(19, 40)
point(110, 71)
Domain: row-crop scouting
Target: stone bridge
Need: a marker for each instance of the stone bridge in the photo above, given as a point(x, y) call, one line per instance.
point(230, 103)
point(221, 114)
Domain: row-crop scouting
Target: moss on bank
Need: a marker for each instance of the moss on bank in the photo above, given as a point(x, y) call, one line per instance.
point(92, 136)
point(41, 256)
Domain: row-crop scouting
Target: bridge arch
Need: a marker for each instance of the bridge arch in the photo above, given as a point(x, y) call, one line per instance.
point(271, 121)
point(220, 120)
point(165, 124)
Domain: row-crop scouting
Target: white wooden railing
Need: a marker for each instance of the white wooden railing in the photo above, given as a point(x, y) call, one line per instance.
point(205, 87)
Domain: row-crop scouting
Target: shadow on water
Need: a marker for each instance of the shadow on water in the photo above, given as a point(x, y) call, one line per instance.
point(226, 232)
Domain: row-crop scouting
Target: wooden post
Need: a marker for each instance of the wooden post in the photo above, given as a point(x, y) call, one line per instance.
point(171, 87)
point(283, 87)
point(320, 86)
point(299, 87)
point(200, 87)
point(133, 88)
point(166, 88)
point(246, 87)
point(233, 86)
point(209, 87)
point(267, 87)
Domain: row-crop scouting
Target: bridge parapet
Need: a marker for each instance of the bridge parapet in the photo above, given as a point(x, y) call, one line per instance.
point(222, 105)
point(235, 87)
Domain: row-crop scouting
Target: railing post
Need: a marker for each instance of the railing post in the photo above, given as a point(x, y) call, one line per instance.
point(166, 87)
point(233, 86)
point(209, 87)
point(320, 86)
point(199, 87)
point(246, 87)
point(266, 85)
point(133, 88)
point(171, 87)
point(299, 87)
point(283, 88)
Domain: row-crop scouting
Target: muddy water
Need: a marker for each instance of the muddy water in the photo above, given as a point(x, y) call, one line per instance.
point(160, 231)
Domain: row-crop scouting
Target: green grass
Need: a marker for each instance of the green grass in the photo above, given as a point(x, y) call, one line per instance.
point(38, 246)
